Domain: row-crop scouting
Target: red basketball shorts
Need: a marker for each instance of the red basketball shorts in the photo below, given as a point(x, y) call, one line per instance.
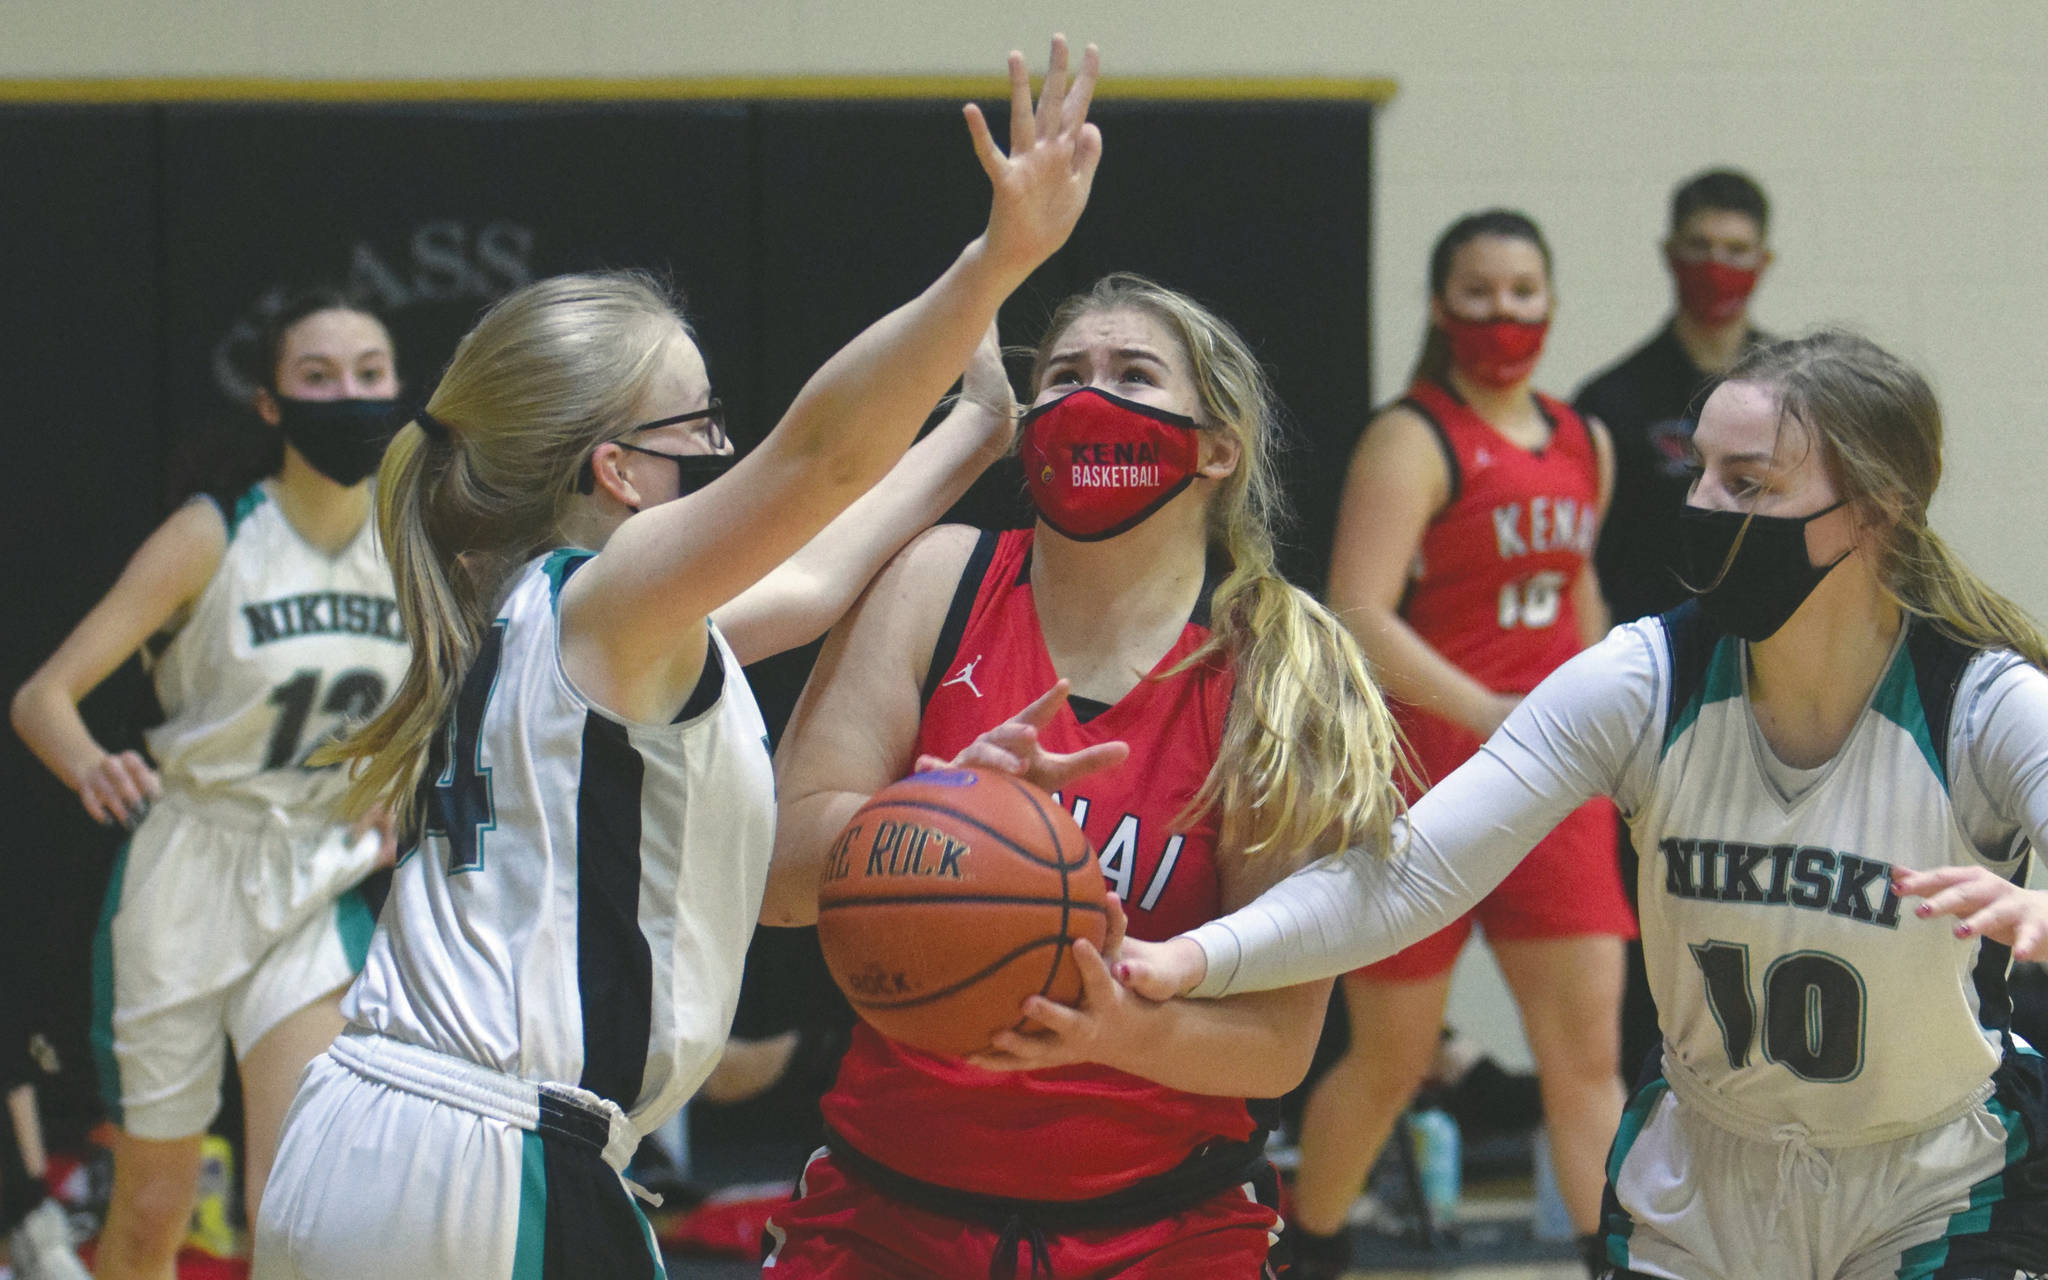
point(839, 1228)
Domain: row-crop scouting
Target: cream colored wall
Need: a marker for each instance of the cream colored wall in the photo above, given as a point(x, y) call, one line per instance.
point(1905, 145)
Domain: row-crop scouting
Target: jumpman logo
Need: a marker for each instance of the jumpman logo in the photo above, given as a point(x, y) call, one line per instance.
point(966, 677)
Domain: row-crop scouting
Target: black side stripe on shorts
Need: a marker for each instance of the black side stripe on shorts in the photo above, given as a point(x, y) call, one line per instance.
point(592, 1227)
point(957, 614)
point(614, 965)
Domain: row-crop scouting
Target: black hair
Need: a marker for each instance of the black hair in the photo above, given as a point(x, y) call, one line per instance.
point(222, 459)
point(1729, 189)
point(1434, 364)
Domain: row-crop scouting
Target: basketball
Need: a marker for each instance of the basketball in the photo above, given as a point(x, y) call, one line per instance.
point(950, 897)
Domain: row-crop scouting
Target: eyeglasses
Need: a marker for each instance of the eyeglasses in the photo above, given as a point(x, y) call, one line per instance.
point(712, 415)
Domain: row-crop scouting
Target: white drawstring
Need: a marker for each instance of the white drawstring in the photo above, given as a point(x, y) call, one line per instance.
point(1797, 1154)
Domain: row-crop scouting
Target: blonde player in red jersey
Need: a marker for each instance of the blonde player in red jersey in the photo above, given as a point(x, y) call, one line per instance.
point(1255, 734)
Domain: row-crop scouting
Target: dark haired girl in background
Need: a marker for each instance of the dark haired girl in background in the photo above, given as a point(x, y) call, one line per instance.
point(1462, 563)
point(268, 621)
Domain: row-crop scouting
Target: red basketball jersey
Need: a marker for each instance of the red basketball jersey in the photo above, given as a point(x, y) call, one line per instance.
point(1068, 1133)
point(1490, 589)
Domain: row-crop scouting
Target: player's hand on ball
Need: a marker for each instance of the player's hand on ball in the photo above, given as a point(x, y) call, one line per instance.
point(119, 788)
point(1985, 904)
point(1109, 1017)
point(1012, 747)
point(1161, 970)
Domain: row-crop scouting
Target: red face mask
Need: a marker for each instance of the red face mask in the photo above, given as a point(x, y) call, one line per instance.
point(1497, 353)
point(1713, 292)
point(1097, 464)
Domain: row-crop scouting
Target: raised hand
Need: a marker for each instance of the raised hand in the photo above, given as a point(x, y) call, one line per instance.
point(1986, 904)
point(119, 789)
point(1013, 747)
point(1041, 185)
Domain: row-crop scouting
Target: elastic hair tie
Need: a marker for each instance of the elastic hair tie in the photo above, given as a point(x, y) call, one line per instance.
point(435, 429)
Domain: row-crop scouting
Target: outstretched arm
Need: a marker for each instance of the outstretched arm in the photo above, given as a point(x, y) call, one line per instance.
point(804, 595)
point(668, 568)
point(1569, 740)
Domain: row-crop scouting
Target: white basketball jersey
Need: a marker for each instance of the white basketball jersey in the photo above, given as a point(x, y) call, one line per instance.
point(285, 648)
point(1791, 981)
point(579, 906)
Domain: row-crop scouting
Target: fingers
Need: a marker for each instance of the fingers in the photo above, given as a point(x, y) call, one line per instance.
point(1119, 925)
point(1056, 770)
point(1098, 986)
point(1919, 884)
point(1023, 128)
point(1074, 110)
point(985, 149)
point(1048, 120)
point(2030, 940)
point(1088, 152)
point(1962, 895)
point(1047, 705)
point(95, 808)
point(987, 755)
point(144, 776)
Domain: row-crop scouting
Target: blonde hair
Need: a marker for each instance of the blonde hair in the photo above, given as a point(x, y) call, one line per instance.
point(547, 374)
point(1310, 750)
point(1879, 429)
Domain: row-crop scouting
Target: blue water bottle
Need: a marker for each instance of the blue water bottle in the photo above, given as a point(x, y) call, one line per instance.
point(1441, 1160)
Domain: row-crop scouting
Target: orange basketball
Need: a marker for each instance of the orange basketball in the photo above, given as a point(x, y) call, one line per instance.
point(950, 897)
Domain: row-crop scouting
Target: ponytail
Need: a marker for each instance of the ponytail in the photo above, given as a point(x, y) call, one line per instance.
point(549, 372)
point(1310, 747)
point(1934, 584)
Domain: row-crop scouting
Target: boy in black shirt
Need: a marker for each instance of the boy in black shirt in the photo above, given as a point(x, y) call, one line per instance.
point(1716, 251)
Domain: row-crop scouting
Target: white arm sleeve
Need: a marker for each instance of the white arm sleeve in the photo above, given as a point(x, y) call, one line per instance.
point(2001, 735)
point(1571, 739)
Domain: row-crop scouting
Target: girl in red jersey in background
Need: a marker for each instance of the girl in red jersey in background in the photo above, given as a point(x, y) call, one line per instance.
point(1462, 562)
point(1255, 737)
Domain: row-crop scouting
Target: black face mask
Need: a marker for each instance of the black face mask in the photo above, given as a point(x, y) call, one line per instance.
point(693, 470)
point(1769, 577)
point(344, 440)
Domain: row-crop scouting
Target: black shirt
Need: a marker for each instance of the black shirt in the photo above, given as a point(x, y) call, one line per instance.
point(1650, 402)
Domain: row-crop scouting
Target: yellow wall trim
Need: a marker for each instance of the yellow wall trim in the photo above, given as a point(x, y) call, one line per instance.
point(557, 89)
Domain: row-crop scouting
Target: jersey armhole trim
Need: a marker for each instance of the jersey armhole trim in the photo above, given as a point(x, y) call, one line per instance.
point(957, 613)
point(1443, 443)
point(245, 506)
point(710, 682)
point(1692, 640)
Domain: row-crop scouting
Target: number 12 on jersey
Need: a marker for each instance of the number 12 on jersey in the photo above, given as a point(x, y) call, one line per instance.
point(1812, 1010)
